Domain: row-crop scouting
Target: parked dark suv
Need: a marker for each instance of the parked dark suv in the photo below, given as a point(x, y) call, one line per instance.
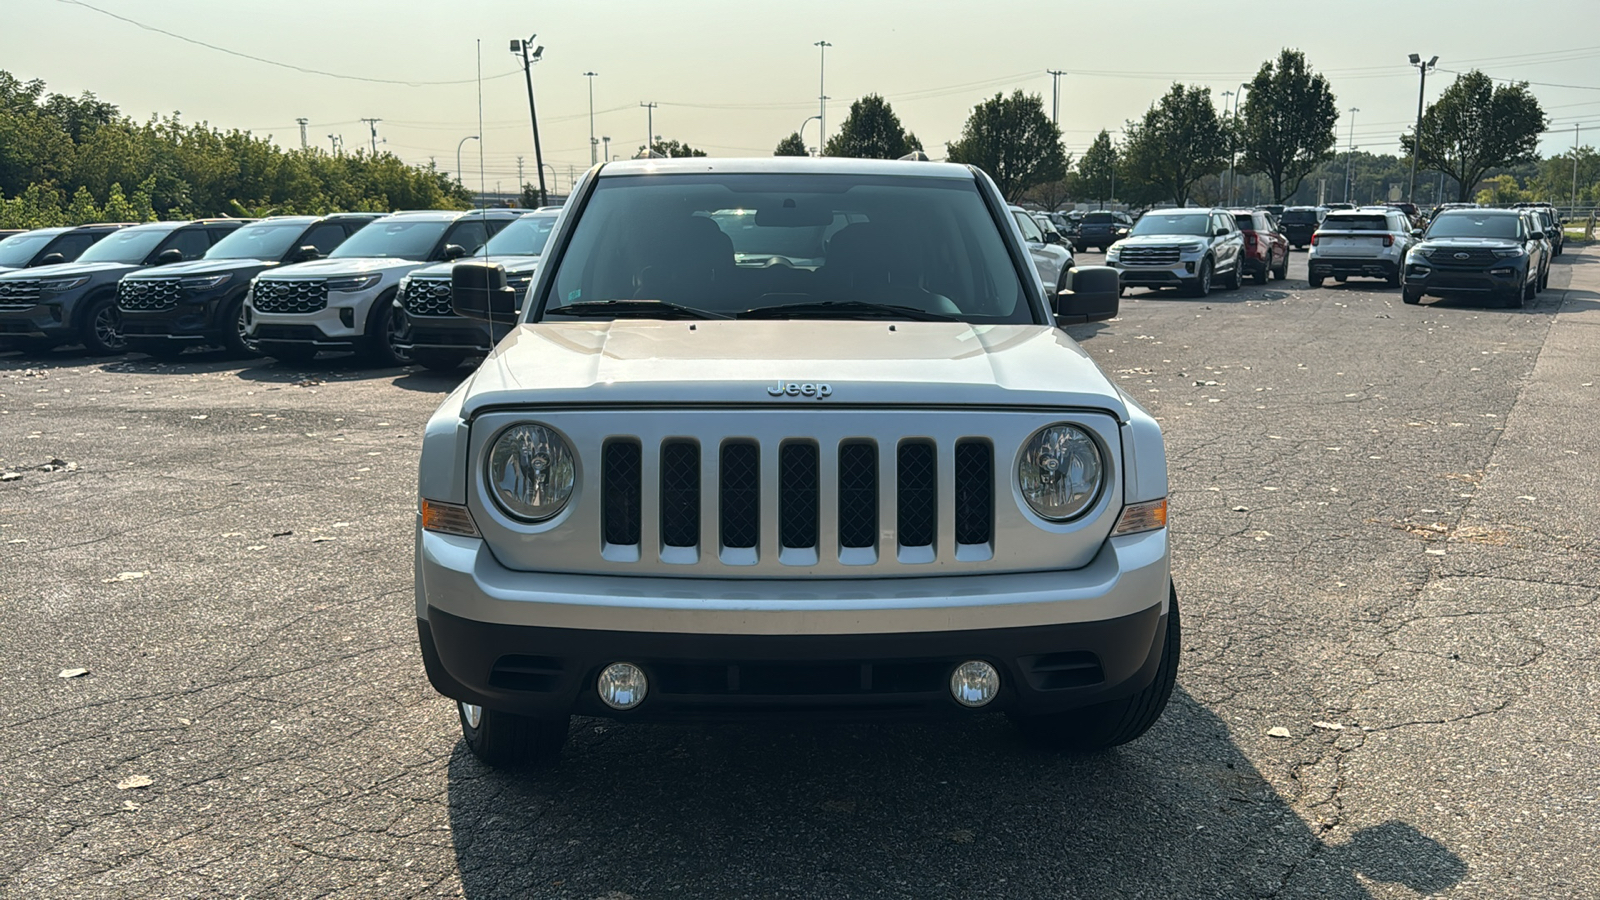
point(1299, 223)
point(167, 309)
point(1486, 252)
point(50, 246)
point(77, 301)
point(1102, 228)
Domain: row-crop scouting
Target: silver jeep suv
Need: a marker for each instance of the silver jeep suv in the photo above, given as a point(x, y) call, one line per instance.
point(831, 456)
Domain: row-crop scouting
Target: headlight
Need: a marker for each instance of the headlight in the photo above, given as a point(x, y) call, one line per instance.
point(1195, 247)
point(531, 472)
point(62, 284)
point(1060, 472)
point(1509, 253)
point(204, 282)
point(1113, 253)
point(354, 283)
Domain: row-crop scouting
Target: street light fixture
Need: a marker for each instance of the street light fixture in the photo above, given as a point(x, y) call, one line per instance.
point(530, 55)
point(593, 144)
point(1350, 154)
point(822, 95)
point(459, 145)
point(802, 133)
point(1416, 146)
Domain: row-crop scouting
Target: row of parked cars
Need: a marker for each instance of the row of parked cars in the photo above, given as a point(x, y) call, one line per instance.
point(286, 286)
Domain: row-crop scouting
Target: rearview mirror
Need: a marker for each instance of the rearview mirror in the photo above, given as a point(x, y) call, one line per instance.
point(478, 290)
point(454, 251)
point(51, 259)
point(305, 253)
point(1091, 295)
point(169, 255)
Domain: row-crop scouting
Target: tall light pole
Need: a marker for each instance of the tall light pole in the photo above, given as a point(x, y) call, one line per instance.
point(1233, 179)
point(1416, 145)
point(303, 122)
point(1227, 198)
point(1350, 154)
point(337, 142)
point(802, 133)
point(822, 95)
point(1055, 94)
point(1575, 130)
point(459, 144)
point(650, 127)
point(531, 55)
point(594, 145)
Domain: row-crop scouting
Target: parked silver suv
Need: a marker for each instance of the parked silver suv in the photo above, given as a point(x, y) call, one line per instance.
point(853, 468)
point(1371, 242)
point(1182, 248)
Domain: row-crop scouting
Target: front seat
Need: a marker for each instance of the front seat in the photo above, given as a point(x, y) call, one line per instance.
point(689, 262)
point(871, 263)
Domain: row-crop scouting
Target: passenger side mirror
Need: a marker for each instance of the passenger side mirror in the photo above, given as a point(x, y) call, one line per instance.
point(1091, 296)
point(454, 251)
point(1538, 235)
point(1050, 237)
point(305, 253)
point(51, 259)
point(1219, 231)
point(169, 255)
point(478, 290)
point(1416, 232)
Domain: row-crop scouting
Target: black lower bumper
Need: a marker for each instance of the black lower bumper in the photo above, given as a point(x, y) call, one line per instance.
point(452, 333)
point(1370, 268)
point(1445, 282)
point(552, 671)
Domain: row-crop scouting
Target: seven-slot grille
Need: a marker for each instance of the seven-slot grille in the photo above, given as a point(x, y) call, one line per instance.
point(1477, 258)
point(427, 297)
point(289, 295)
point(1149, 256)
point(18, 294)
point(148, 294)
point(736, 506)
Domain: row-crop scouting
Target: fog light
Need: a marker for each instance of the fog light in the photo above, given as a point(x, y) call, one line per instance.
point(974, 683)
point(347, 317)
point(622, 685)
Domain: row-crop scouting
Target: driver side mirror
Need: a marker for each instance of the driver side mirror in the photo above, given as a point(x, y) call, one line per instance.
point(478, 290)
point(169, 255)
point(1416, 232)
point(1538, 235)
point(1050, 237)
point(1219, 231)
point(305, 253)
point(454, 251)
point(51, 259)
point(1091, 296)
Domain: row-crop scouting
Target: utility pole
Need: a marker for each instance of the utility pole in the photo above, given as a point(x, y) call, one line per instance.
point(303, 122)
point(594, 145)
point(1350, 154)
point(1055, 95)
point(1575, 130)
point(530, 55)
point(337, 141)
point(373, 125)
point(520, 182)
point(650, 126)
point(1416, 146)
point(607, 140)
point(822, 97)
point(1227, 193)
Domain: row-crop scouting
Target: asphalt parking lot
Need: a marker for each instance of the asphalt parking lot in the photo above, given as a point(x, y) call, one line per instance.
point(1385, 538)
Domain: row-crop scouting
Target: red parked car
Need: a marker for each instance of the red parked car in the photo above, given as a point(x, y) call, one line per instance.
point(1266, 250)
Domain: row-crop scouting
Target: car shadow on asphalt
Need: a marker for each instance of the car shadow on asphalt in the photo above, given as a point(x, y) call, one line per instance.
point(1245, 294)
point(963, 808)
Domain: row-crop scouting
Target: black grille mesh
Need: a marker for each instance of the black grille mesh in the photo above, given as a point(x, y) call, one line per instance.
point(918, 494)
point(797, 494)
point(619, 492)
point(680, 494)
point(974, 492)
point(741, 494)
point(858, 495)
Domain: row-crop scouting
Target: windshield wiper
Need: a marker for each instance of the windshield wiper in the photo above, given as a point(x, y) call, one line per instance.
point(644, 309)
point(844, 309)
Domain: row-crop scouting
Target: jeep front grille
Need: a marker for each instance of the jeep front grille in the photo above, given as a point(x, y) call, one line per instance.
point(284, 295)
point(19, 294)
point(1134, 257)
point(427, 297)
point(148, 294)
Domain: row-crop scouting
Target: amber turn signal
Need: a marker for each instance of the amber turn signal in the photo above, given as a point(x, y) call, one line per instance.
point(448, 518)
point(1138, 517)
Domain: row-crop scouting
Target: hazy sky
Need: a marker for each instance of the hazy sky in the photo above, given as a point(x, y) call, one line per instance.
point(733, 78)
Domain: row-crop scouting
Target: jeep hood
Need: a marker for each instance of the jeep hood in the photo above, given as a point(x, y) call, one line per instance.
point(514, 265)
point(874, 363)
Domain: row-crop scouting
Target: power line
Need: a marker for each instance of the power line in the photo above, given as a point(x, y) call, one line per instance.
point(272, 62)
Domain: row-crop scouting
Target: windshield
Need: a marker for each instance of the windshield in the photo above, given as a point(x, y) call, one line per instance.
point(1355, 223)
point(524, 237)
point(257, 242)
point(393, 239)
point(1173, 223)
point(1299, 217)
point(1449, 225)
point(733, 244)
point(19, 249)
point(130, 246)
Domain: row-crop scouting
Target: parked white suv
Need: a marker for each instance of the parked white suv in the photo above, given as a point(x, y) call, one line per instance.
point(346, 301)
point(1182, 248)
point(849, 464)
point(1371, 242)
point(1052, 257)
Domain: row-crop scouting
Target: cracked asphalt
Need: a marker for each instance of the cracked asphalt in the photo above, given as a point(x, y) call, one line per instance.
point(1385, 537)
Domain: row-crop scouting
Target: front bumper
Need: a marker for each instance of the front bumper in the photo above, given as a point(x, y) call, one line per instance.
point(193, 321)
point(1179, 273)
point(533, 643)
point(339, 325)
point(452, 333)
point(50, 320)
point(1503, 279)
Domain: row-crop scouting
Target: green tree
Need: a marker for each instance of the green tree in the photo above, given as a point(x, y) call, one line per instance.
point(674, 149)
point(1013, 140)
point(1502, 190)
point(872, 131)
point(118, 209)
point(1052, 195)
point(1475, 126)
point(1179, 141)
point(82, 210)
point(1097, 169)
point(1286, 123)
point(791, 146)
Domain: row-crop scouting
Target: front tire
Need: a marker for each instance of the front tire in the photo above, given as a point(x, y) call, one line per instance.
point(1411, 296)
point(1315, 281)
point(235, 335)
point(102, 328)
point(1201, 285)
point(1107, 725)
point(385, 326)
point(506, 740)
point(1235, 279)
point(1264, 275)
point(1282, 271)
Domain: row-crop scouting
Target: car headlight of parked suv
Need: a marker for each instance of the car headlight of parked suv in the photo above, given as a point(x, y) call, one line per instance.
point(1060, 474)
point(205, 282)
point(1509, 252)
point(61, 285)
point(1114, 252)
point(1195, 247)
point(531, 472)
point(353, 283)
